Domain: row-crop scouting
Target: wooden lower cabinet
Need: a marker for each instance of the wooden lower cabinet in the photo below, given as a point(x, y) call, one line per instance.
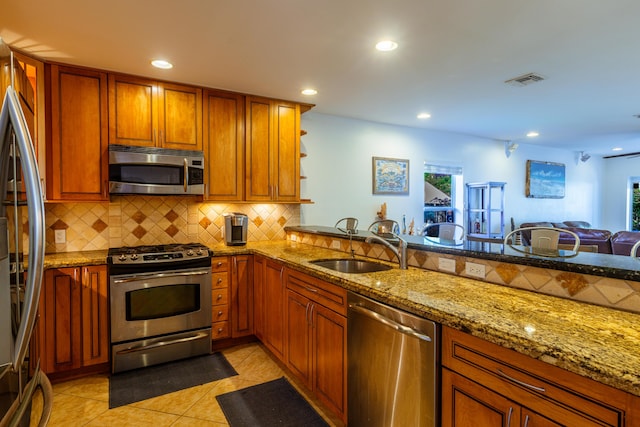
point(241, 296)
point(220, 298)
point(75, 318)
point(316, 338)
point(269, 310)
point(485, 385)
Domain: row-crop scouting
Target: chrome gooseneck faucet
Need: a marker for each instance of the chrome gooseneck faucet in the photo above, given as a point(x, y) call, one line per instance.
point(400, 252)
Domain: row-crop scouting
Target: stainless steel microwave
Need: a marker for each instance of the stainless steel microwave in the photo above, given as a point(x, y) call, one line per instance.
point(159, 171)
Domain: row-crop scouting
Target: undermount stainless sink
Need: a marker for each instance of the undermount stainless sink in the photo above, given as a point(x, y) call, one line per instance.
point(350, 265)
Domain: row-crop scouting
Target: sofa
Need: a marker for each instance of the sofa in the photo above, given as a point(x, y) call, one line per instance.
point(591, 239)
point(623, 241)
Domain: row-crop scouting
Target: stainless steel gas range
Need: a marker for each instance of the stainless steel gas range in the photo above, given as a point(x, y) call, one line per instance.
point(160, 303)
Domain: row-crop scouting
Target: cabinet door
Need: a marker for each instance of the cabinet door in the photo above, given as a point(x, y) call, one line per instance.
point(241, 296)
point(62, 319)
point(180, 117)
point(531, 419)
point(274, 308)
point(467, 404)
point(299, 336)
point(95, 334)
point(78, 162)
point(287, 151)
point(259, 271)
point(259, 185)
point(133, 111)
point(330, 358)
point(224, 146)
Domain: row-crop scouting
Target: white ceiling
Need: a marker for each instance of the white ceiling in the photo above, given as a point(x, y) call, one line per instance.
point(453, 59)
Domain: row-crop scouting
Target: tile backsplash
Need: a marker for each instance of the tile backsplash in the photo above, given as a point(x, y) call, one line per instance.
point(605, 291)
point(146, 220)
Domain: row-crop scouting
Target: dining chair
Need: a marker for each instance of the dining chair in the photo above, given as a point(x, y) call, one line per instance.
point(385, 227)
point(444, 230)
point(347, 225)
point(543, 240)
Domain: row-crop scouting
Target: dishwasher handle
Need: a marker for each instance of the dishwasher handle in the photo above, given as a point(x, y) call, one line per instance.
point(386, 321)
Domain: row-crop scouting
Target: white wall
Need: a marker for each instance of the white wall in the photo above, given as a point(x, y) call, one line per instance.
point(616, 175)
point(339, 164)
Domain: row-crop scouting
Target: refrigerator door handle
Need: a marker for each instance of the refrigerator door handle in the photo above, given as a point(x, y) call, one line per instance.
point(12, 112)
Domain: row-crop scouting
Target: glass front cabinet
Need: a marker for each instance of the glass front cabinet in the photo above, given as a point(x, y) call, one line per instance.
point(485, 210)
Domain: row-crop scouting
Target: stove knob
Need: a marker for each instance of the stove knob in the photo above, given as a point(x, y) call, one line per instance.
point(134, 257)
point(199, 251)
point(189, 252)
point(122, 257)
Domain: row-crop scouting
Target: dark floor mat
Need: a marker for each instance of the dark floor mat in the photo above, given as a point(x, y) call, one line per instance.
point(275, 403)
point(144, 383)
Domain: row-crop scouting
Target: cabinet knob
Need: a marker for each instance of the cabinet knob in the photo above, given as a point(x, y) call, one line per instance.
point(220, 313)
point(219, 296)
point(219, 280)
point(220, 330)
point(219, 264)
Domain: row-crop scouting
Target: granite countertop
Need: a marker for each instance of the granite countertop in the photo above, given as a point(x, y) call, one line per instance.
point(74, 259)
point(596, 342)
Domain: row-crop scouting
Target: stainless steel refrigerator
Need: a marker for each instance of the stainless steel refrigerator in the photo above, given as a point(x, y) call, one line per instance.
point(22, 204)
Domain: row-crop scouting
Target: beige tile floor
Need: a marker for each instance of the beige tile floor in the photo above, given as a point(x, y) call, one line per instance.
point(85, 401)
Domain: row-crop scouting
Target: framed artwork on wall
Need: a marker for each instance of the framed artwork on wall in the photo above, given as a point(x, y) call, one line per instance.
point(390, 176)
point(545, 180)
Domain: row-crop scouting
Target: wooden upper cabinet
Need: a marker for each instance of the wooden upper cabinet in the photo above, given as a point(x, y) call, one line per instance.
point(154, 114)
point(180, 117)
point(287, 141)
point(77, 166)
point(273, 150)
point(224, 146)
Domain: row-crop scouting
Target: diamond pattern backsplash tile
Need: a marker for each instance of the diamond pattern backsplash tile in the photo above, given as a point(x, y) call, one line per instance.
point(605, 291)
point(147, 220)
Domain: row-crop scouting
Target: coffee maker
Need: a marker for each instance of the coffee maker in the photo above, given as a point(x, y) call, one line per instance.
point(235, 229)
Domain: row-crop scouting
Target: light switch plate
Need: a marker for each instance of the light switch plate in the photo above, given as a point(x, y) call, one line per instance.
point(60, 236)
point(475, 270)
point(447, 264)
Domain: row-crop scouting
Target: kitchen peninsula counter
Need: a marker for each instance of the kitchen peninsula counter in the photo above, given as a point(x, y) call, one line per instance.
point(596, 342)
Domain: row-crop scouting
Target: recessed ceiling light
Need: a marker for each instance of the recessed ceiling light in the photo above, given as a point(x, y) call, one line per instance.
point(616, 149)
point(423, 116)
point(309, 92)
point(386, 45)
point(161, 63)
point(532, 134)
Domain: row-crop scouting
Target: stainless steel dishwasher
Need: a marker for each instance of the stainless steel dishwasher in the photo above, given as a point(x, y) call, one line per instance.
point(392, 366)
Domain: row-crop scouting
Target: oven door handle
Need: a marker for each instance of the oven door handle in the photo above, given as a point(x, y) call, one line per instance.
point(145, 347)
point(139, 277)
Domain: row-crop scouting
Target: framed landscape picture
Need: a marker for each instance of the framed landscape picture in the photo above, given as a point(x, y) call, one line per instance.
point(390, 176)
point(545, 180)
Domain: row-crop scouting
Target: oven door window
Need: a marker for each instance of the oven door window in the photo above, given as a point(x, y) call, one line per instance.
point(162, 301)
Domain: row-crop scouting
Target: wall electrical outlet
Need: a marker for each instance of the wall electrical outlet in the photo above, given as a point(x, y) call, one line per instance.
point(293, 237)
point(474, 270)
point(335, 244)
point(447, 264)
point(60, 236)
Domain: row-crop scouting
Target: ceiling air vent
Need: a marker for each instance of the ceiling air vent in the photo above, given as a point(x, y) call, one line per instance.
point(525, 79)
